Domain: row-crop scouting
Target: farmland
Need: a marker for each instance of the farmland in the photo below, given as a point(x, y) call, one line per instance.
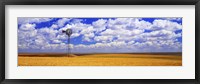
point(123, 59)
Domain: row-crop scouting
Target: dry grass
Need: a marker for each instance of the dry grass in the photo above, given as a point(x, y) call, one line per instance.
point(102, 60)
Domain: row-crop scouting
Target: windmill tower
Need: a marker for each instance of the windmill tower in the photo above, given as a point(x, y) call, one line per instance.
point(68, 32)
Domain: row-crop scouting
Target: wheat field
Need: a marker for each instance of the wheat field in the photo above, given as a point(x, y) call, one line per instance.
point(101, 60)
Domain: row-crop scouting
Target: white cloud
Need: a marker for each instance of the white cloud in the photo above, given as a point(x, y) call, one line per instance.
point(23, 20)
point(101, 46)
point(48, 33)
point(76, 21)
point(103, 38)
point(61, 22)
point(75, 35)
point(108, 32)
point(87, 30)
point(27, 27)
point(112, 35)
point(174, 18)
point(99, 25)
point(57, 41)
point(88, 36)
point(62, 37)
point(131, 42)
point(54, 26)
point(166, 24)
point(39, 42)
point(159, 33)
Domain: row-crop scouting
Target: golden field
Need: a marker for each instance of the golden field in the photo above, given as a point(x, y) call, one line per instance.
point(100, 60)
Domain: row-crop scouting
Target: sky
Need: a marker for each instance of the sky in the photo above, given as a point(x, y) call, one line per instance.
point(99, 35)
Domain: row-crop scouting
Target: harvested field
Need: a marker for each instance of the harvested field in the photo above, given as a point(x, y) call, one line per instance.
point(158, 59)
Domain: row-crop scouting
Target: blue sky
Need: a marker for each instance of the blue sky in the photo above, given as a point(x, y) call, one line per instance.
point(100, 35)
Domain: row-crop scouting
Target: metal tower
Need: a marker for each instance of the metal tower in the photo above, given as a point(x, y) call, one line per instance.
point(68, 32)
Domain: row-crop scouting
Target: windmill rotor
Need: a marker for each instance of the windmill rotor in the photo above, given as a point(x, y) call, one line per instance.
point(69, 32)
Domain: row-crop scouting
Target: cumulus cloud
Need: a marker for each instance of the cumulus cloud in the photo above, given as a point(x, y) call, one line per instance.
point(61, 22)
point(27, 27)
point(99, 25)
point(88, 36)
point(102, 35)
point(174, 18)
point(103, 38)
point(54, 26)
point(166, 24)
point(23, 20)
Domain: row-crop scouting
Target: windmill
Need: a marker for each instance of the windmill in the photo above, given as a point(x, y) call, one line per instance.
point(68, 32)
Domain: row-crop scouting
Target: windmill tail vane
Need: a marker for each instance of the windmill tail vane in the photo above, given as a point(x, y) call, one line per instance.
point(63, 31)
